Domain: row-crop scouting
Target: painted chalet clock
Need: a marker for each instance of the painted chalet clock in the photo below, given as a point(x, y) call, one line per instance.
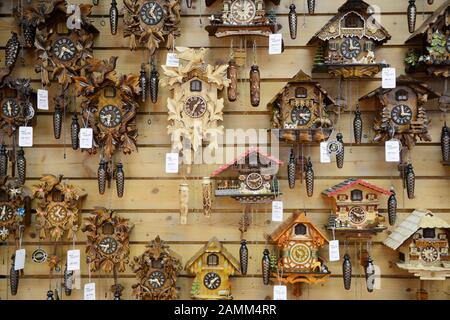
point(422, 242)
point(298, 257)
point(347, 43)
point(109, 107)
point(156, 271)
point(212, 265)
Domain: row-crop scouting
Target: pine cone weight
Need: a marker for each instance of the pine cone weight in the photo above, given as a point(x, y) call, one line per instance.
point(243, 257)
point(347, 272)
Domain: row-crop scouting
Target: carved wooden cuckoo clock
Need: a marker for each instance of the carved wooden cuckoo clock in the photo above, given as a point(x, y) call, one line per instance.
point(108, 245)
point(156, 271)
point(109, 108)
point(347, 43)
point(422, 242)
point(212, 265)
point(194, 109)
point(297, 256)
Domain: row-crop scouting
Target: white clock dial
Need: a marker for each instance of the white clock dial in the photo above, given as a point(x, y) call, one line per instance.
point(243, 11)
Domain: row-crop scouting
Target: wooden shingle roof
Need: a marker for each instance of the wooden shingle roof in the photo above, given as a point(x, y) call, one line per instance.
point(346, 184)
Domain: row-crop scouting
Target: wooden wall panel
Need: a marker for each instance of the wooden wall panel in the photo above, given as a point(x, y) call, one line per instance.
point(151, 203)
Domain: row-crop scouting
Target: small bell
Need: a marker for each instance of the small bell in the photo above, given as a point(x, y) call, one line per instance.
point(189, 3)
point(309, 177)
point(3, 161)
point(120, 180)
point(154, 83)
point(410, 181)
point(50, 295)
point(445, 143)
point(14, 276)
point(411, 13)
point(292, 16)
point(369, 270)
point(255, 90)
point(21, 166)
point(57, 121)
point(291, 168)
point(392, 207)
point(113, 17)
point(243, 257)
point(74, 132)
point(347, 272)
point(143, 83)
point(102, 177)
point(12, 50)
point(357, 126)
point(265, 264)
point(311, 6)
point(68, 280)
point(232, 75)
point(341, 152)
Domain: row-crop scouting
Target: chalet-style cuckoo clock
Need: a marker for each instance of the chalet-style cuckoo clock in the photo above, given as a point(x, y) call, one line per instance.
point(297, 257)
point(194, 108)
point(109, 107)
point(62, 52)
point(212, 265)
point(108, 245)
point(347, 43)
point(156, 272)
point(17, 109)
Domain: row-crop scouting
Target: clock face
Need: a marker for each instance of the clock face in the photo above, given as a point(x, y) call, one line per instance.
point(300, 253)
point(401, 114)
point(57, 213)
point(108, 245)
point(6, 213)
point(64, 49)
point(110, 116)
point(10, 108)
point(254, 181)
point(212, 280)
point(357, 215)
point(243, 11)
point(429, 254)
point(301, 115)
point(157, 279)
point(195, 106)
point(350, 48)
point(151, 13)
point(28, 112)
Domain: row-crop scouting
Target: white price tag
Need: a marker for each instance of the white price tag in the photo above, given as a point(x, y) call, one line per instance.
point(19, 259)
point(25, 136)
point(171, 162)
point(275, 41)
point(73, 260)
point(277, 210)
point(42, 99)
point(86, 137)
point(279, 292)
point(392, 151)
point(172, 60)
point(89, 291)
point(325, 156)
point(388, 78)
point(333, 248)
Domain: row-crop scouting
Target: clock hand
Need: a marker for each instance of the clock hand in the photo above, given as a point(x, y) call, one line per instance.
point(3, 211)
point(9, 107)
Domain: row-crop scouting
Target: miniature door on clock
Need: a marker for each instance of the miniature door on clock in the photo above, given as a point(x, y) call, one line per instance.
point(347, 43)
point(433, 36)
point(355, 208)
point(212, 265)
point(422, 241)
point(253, 178)
point(401, 114)
point(300, 111)
point(242, 17)
point(298, 244)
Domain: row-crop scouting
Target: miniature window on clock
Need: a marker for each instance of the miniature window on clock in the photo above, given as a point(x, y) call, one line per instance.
point(108, 229)
point(371, 197)
point(109, 92)
point(333, 45)
point(300, 229)
point(429, 233)
point(301, 92)
point(357, 195)
point(213, 260)
point(401, 95)
point(368, 46)
point(156, 264)
point(196, 86)
point(61, 28)
point(342, 197)
point(10, 93)
point(401, 256)
point(352, 20)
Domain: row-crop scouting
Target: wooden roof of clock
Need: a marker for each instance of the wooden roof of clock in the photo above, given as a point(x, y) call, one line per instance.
point(438, 19)
point(380, 36)
point(210, 2)
point(349, 183)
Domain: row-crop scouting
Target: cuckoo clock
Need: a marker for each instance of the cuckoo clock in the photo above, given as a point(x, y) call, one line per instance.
point(108, 245)
point(422, 242)
point(347, 43)
point(156, 272)
point(355, 208)
point(194, 108)
point(109, 107)
point(298, 258)
point(212, 265)
point(63, 46)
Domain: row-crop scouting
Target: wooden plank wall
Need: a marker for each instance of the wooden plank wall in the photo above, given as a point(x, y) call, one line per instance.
point(150, 199)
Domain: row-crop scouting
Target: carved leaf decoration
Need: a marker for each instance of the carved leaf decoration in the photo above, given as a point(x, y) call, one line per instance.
point(83, 86)
point(172, 76)
point(217, 75)
point(174, 113)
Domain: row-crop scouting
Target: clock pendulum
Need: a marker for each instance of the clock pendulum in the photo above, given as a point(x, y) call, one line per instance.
point(311, 6)
point(68, 281)
point(292, 16)
point(75, 131)
point(392, 207)
point(411, 14)
point(21, 166)
point(232, 74)
point(154, 83)
point(445, 144)
point(347, 271)
point(14, 276)
point(265, 267)
point(12, 50)
point(309, 178)
point(243, 257)
point(207, 196)
point(291, 169)
point(340, 153)
point(113, 17)
point(143, 82)
point(120, 180)
point(410, 180)
point(357, 125)
point(369, 271)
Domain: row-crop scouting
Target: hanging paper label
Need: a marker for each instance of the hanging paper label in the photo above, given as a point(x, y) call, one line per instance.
point(19, 259)
point(388, 78)
point(277, 210)
point(172, 60)
point(73, 260)
point(172, 162)
point(42, 99)
point(89, 291)
point(279, 292)
point(25, 136)
point(325, 156)
point(76, 279)
point(392, 151)
point(333, 248)
point(86, 137)
point(275, 41)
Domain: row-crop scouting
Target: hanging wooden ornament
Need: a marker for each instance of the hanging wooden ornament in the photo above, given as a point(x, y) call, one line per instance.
point(12, 50)
point(154, 83)
point(445, 144)
point(369, 271)
point(189, 3)
point(232, 74)
point(311, 6)
point(120, 180)
point(21, 166)
point(68, 281)
point(102, 177)
point(3, 161)
point(75, 131)
point(292, 16)
point(265, 267)
point(143, 84)
point(291, 168)
point(255, 90)
point(57, 121)
point(347, 272)
point(14, 276)
point(309, 177)
point(341, 152)
point(243, 257)
point(207, 196)
point(410, 178)
point(411, 13)
point(184, 202)
point(392, 207)
point(113, 17)
point(357, 126)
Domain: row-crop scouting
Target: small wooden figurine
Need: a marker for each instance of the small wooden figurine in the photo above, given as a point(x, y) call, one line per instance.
point(212, 266)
